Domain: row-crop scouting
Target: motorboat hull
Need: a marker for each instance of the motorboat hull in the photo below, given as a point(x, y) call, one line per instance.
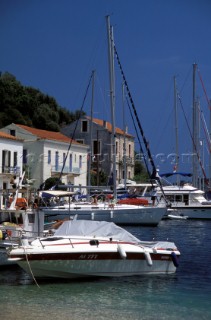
point(192, 212)
point(100, 268)
point(96, 264)
point(100, 259)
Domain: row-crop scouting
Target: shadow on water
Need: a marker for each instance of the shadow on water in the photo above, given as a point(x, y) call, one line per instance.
point(15, 276)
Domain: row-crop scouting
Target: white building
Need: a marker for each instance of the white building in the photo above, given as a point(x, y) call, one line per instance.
point(101, 146)
point(45, 154)
point(11, 152)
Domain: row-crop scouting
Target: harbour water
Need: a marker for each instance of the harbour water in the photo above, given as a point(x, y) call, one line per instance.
point(184, 295)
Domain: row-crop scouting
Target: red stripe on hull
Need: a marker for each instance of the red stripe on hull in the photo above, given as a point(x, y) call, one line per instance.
point(91, 256)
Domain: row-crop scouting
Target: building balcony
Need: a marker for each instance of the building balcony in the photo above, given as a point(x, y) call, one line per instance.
point(55, 170)
point(129, 161)
point(10, 170)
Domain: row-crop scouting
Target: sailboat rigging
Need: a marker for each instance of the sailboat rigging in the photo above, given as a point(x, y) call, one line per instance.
point(123, 214)
point(154, 175)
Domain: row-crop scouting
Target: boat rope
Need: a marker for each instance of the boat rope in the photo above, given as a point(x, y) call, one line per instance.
point(154, 174)
point(202, 83)
point(146, 143)
point(76, 125)
point(136, 130)
point(194, 144)
point(27, 260)
point(206, 132)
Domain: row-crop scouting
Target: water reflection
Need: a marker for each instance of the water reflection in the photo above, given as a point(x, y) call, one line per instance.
point(184, 295)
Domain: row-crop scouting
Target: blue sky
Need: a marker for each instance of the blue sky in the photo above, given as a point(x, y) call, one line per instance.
point(54, 46)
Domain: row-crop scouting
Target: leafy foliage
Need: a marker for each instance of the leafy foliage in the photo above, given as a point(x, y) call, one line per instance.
point(29, 106)
point(140, 172)
point(51, 182)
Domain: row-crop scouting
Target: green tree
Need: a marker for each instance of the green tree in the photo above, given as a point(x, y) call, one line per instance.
point(27, 105)
point(140, 172)
point(51, 182)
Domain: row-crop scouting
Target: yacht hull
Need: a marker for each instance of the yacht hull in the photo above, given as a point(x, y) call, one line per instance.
point(127, 215)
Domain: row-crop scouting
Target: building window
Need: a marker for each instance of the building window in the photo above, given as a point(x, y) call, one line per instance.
point(49, 156)
point(57, 160)
point(24, 156)
point(64, 158)
point(80, 141)
point(123, 175)
point(80, 161)
point(96, 147)
point(123, 149)
point(117, 147)
point(71, 163)
point(129, 175)
point(6, 160)
point(84, 126)
point(129, 150)
point(12, 132)
point(15, 159)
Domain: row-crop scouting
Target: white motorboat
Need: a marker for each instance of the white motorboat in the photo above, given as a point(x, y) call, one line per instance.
point(94, 249)
point(187, 201)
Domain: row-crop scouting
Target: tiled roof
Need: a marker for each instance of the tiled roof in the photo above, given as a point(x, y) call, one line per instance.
point(48, 135)
point(8, 136)
point(108, 126)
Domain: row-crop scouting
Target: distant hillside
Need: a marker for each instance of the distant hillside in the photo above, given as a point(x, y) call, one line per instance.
point(29, 106)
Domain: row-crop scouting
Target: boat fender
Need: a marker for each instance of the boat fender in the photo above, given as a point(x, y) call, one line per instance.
point(148, 258)
point(121, 251)
point(175, 259)
point(3, 234)
point(111, 214)
point(92, 215)
point(24, 241)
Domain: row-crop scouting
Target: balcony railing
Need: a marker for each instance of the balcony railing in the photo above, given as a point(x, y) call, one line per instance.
point(66, 170)
point(10, 170)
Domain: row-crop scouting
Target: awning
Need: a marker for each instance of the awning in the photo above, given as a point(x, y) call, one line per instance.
point(56, 193)
point(184, 174)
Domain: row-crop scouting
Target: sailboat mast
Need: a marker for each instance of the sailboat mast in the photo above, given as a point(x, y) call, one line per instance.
point(210, 150)
point(112, 97)
point(90, 135)
point(195, 142)
point(176, 127)
point(124, 128)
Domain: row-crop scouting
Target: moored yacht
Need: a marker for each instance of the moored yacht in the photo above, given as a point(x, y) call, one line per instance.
point(94, 249)
point(187, 201)
point(121, 214)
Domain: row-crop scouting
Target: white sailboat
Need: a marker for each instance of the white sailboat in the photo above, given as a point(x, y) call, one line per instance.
point(121, 214)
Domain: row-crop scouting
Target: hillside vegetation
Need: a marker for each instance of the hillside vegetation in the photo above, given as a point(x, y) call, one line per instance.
point(29, 106)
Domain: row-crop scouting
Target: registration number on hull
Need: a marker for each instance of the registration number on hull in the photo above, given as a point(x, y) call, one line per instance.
point(88, 256)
